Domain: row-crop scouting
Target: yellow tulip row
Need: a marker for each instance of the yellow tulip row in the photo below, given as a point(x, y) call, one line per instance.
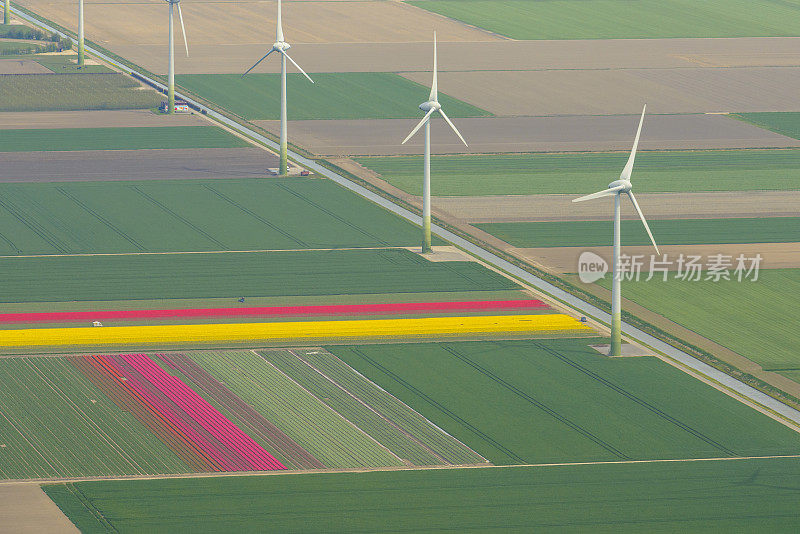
point(243, 332)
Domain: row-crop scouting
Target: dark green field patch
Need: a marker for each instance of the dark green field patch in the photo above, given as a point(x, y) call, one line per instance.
point(529, 174)
point(192, 215)
point(66, 92)
point(621, 19)
point(62, 139)
point(544, 401)
point(665, 231)
point(166, 276)
point(787, 123)
point(345, 95)
point(741, 495)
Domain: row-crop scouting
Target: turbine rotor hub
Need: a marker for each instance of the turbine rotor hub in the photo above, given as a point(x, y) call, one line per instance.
point(430, 104)
point(281, 46)
point(626, 185)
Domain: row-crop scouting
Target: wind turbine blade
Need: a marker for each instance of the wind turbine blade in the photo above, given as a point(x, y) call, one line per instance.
point(183, 29)
point(599, 194)
point(259, 61)
point(418, 126)
point(279, 25)
point(435, 83)
point(626, 172)
point(298, 66)
point(644, 222)
point(453, 126)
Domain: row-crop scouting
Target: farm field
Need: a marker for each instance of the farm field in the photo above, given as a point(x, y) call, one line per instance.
point(191, 215)
point(755, 319)
point(65, 92)
point(786, 123)
point(56, 423)
point(347, 95)
point(526, 174)
point(565, 402)
point(665, 231)
point(742, 494)
point(618, 19)
point(232, 275)
point(40, 139)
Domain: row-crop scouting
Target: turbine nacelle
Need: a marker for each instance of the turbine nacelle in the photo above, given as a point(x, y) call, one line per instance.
point(281, 46)
point(173, 1)
point(430, 105)
point(622, 185)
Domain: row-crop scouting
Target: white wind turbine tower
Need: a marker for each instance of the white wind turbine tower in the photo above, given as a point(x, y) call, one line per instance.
point(281, 47)
point(430, 107)
point(616, 188)
point(171, 73)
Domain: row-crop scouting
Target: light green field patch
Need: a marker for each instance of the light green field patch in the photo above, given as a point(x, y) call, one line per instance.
point(63, 139)
point(621, 19)
point(324, 433)
point(345, 95)
point(755, 319)
point(529, 174)
point(67, 92)
point(542, 401)
point(708, 496)
point(56, 423)
point(666, 232)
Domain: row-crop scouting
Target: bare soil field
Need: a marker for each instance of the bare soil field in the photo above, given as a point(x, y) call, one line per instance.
point(94, 119)
point(565, 259)
point(24, 508)
point(21, 66)
point(704, 205)
point(163, 164)
point(611, 92)
point(530, 134)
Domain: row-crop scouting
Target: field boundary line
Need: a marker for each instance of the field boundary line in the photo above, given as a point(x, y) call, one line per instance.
point(376, 412)
point(40, 481)
point(89, 254)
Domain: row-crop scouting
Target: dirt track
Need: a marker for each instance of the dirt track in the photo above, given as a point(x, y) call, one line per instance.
point(718, 204)
point(94, 119)
point(530, 134)
point(24, 508)
point(136, 164)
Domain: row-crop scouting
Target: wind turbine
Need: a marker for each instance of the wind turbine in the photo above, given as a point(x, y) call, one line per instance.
point(171, 72)
point(81, 59)
point(616, 189)
point(431, 106)
point(281, 47)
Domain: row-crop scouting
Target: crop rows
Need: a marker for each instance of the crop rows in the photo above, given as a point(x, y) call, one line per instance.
point(56, 424)
point(306, 420)
point(65, 92)
point(395, 425)
point(246, 332)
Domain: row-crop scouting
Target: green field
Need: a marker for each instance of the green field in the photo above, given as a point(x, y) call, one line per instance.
point(65, 92)
point(17, 47)
point(622, 19)
point(117, 138)
point(729, 496)
point(192, 215)
point(787, 124)
point(518, 402)
point(56, 423)
point(346, 95)
point(172, 276)
point(65, 64)
point(665, 231)
point(398, 428)
point(756, 319)
point(529, 174)
point(330, 438)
